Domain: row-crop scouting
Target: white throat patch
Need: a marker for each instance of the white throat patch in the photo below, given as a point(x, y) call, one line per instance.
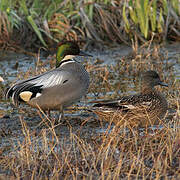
point(68, 57)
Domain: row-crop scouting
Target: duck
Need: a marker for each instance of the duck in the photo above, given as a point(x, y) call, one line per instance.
point(146, 108)
point(58, 88)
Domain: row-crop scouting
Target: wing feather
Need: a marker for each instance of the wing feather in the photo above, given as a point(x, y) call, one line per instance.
point(127, 103)
point(38, 83)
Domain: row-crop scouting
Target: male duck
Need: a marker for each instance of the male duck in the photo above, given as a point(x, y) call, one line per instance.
point(58, 88)
point(143, 109)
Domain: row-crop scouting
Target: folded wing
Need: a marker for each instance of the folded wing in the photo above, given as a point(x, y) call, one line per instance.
point(127, 103)
point(37, 84)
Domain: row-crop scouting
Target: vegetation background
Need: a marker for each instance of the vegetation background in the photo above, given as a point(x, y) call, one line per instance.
point(33, 146)
point(30, 24)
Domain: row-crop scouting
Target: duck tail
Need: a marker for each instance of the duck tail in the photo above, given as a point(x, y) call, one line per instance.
point(9, 93)
point(14, 92)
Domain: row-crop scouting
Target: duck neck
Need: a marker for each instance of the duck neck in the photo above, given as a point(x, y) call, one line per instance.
point(61, 53)
point(58, 61)
point(147, 88)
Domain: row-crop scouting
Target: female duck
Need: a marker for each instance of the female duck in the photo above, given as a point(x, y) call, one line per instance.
point(143, 109)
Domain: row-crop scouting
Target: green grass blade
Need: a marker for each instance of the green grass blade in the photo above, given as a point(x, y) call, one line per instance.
point(153, 15)
point(160, 22)
point(140, 15)
point(127, 26)
point(165, 7)
point(34, 26)
point(91, 7)
point(176, 6)
point(24, 7)
point(133, 15)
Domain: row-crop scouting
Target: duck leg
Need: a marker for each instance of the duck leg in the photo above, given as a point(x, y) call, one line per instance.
point(61, 115)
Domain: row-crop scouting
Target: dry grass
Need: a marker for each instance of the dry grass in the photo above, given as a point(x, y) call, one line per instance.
point(117, 153)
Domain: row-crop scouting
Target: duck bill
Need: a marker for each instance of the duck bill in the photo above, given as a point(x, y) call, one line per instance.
point(163, 84)
point(82, 53)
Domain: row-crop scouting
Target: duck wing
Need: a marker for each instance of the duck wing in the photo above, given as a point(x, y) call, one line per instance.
point(37, 84)
point(127, 103)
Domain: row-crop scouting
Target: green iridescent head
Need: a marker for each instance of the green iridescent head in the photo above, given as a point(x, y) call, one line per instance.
point(68, 48)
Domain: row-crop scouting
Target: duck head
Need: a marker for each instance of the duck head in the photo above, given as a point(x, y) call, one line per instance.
point(151, 79)
point(68, 50)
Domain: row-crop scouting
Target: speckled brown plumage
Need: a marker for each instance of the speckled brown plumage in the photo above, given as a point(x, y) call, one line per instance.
point(143, 109)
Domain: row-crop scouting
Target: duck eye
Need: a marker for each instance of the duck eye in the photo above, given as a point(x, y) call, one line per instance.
point(156, 76)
